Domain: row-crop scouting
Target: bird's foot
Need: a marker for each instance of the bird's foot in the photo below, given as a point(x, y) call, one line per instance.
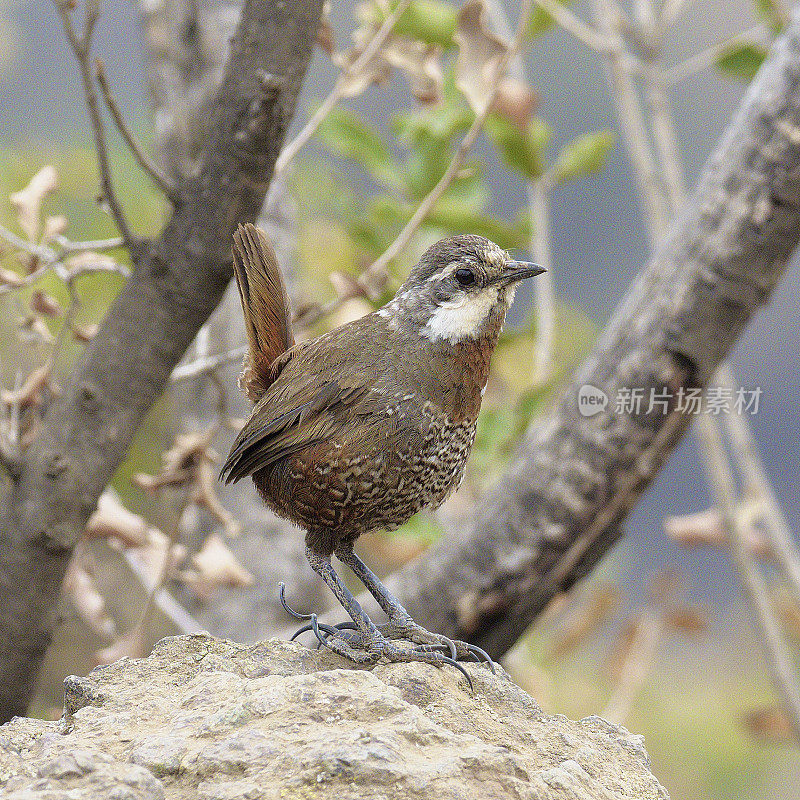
point(350, 643)
point(378, 646)
point(407, 629)
point(363, 645)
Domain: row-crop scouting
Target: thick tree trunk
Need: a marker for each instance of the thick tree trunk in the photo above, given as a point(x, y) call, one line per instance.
point(573, 481)
point(177, 282)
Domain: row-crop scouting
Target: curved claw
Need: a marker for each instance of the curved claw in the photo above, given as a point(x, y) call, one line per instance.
point(461, 669)
point(316, 627)
point(450, 644)
point(479, 654)
point(346, 626)
point(288, 609)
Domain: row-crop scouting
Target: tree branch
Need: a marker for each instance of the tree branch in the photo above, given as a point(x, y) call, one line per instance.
point(574, 479)
point(177, 281)
point(81, 47)
point(158, 177)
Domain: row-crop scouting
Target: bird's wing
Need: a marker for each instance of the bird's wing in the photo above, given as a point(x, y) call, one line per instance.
point(313, 416)
point(265, 306)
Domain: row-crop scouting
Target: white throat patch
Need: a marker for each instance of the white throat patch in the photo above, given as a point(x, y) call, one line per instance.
point(462, 318)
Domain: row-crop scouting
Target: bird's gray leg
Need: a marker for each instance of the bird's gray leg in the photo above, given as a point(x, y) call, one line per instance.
point(401, 625)
point(323, 567)
point(376, 645)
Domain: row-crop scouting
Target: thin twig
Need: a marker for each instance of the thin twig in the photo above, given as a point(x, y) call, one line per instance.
point(69, 246)
point(664, 136)
point(757, 486)
point(636, 666)
point(631, 120)
point(206, 365)
point(160, 179)
point(81, 48)
point(378, 267)
point(709, 57)
point(723, 487)
point(572, 23)
point(338, 91)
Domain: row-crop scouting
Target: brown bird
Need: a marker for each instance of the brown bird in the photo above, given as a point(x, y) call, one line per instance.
point(360, 428)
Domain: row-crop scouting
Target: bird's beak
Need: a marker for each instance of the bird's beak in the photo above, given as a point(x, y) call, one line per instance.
point(517, 271)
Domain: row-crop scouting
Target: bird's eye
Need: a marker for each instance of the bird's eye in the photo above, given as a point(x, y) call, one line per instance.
point(466, 277)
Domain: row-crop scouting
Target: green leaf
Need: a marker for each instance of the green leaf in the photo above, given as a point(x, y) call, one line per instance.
point(742, 61)
point(521, 150)
point(771, 12)
point(453, 219)
point(429, 21)
point(541, 21)
point(583, 155)
point(440, 122)
point(346, 134)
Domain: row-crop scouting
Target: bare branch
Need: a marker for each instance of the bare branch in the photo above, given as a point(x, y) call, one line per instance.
point(177, 282)
point(629, 114)
point(81, 48)
point(160, 179)
point(723, 488)
point(572, 23)
point(758, 34)
point(206, 364)
point(758, 487)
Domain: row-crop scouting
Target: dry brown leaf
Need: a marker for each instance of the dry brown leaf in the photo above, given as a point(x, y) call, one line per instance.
point(770, 724)
point(79, 586)
point(179, 463)
point(325, 38)
point(30, 393)
point(46, 304)
point(376, 71)
point(54, 226)
point(789, 612)
point(479, 54)
point(112, 519)
point(707, 528)
point(85, 333)
point(152, 556)
point(28, 201)
point(215, 565)
point(691, 530)
point(421, 64)
point(32, 327)
point(10, 278)
point(687, 619)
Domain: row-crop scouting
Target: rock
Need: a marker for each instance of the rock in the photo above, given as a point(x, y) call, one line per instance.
point(206, 718)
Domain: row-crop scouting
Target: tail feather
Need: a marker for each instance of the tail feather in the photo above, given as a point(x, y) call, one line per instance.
point(265, 305)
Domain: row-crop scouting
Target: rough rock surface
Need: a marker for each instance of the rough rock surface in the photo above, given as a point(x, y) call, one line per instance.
point(206, 718)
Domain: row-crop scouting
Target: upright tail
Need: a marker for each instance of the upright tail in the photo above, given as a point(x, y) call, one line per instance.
point(265, 305)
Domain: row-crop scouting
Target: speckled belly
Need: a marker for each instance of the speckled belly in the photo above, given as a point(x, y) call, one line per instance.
point(348, 486)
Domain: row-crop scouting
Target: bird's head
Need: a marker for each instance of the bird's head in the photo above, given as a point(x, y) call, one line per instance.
point(459, 285)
